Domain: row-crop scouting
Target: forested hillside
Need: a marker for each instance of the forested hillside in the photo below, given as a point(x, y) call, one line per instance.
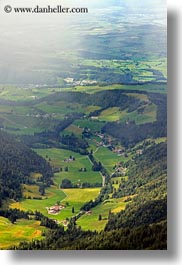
point(17, 162)
point(130, 133)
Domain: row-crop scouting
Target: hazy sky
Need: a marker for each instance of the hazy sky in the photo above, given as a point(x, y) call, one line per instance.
point(28, 40)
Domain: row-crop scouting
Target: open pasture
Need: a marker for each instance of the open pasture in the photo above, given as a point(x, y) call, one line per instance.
point(108, 158)
point(93, 125)
point(70, 197)
point(156, 88)
point(92, 222)
point(60, 158)
point(22, 230)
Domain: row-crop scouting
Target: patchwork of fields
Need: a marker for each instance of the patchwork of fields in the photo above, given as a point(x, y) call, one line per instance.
point(34, 117)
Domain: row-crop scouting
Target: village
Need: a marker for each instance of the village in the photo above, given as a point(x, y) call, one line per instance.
point(73, 82)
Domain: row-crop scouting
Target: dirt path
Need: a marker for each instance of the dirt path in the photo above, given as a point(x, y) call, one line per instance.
point(90, 160)
point(65, 195)
point(103, 179)
point(96, 150)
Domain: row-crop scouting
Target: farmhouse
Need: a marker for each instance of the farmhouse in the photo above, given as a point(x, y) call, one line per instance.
point(69, 80)
point(88, 212)
point(139, 152)
point(55, 209)
point(65, 223)
point(70, 159)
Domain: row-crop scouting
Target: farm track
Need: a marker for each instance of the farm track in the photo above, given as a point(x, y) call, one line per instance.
point(65, 195)
point(103, 179)
point(96, 150)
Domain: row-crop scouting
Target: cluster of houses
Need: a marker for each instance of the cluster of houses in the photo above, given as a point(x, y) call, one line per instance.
point(73, 82)
point(39, 115)
point(88, 212)
point(119, 169)
point(107, 141)
point(120, 152)
point(65, 223)
point(55, 209)
point(69, 159)
point(139, 151)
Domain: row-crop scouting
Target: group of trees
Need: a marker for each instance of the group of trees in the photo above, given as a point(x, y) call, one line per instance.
point(75, 143)
point(17, 162)
point(96, 166)
point(67, 184)
point(45, 221)
point(14, 214)
point(143, 237)
point(103, 195)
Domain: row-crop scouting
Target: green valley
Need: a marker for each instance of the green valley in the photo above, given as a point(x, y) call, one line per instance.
point(83, 129)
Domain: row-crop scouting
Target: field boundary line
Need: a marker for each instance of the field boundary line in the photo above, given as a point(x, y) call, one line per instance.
point(65, 195)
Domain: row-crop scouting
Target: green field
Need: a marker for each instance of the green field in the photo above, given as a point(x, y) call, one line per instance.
point(24, 94)
point(115, 114)
point(52, 194)
point(158, 88)
point(22, 230)
point(73, 129)
point(74, 197)
point(141, 70)
point(149, 115)
point(25, 120)
point(108, 158)
point(110, 114)
point(91, 221)
point(93, 125)
point(78, 178)
point(57, 157)
point(59, 109)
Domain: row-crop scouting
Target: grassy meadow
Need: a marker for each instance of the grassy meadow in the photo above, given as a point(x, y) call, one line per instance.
point(13, 234)
point(57, 157)
point(92, 222)
point(70, 197)
point(108, 158)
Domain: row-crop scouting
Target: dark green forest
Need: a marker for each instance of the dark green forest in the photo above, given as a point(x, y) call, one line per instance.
point(17, 162)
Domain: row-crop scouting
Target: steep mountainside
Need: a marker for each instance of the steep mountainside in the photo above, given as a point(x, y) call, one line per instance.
point(17, 162)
